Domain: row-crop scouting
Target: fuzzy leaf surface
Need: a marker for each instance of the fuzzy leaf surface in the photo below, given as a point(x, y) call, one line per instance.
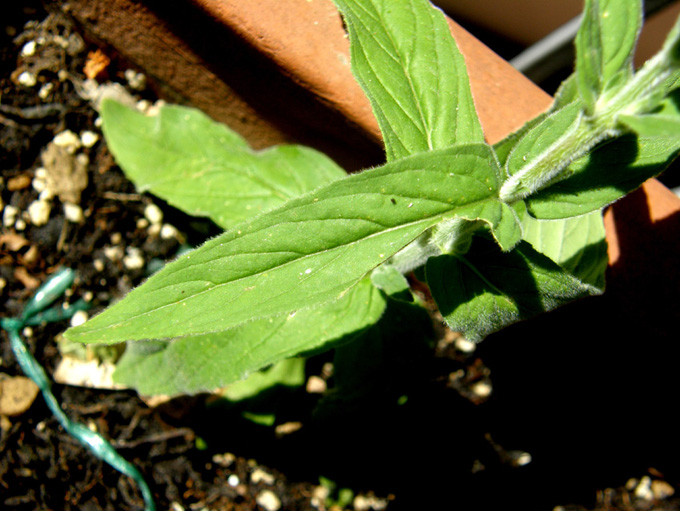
point(409, 66)
point(604, 46)
point(204, 168)
point(486, 290)
point(309, 251)
point(204, 362)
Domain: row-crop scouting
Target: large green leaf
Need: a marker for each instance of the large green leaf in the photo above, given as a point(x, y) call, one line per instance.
point(206, 169)
point(309, 251)
point(407, 62)
point(577, 244)
point(204, 362)
point(486, 289)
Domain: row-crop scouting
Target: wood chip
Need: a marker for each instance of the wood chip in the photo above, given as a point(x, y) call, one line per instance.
point(17, 394)
point(29, 281)
point(13, 242)
point(95, 64)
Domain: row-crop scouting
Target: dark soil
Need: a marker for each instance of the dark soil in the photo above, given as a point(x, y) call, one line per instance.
point(593, 446)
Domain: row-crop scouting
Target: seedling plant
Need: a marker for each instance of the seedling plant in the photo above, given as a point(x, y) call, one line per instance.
point(314, 259)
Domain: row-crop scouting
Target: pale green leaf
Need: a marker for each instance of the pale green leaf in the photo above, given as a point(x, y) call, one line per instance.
point(486, 290)
point(405, 59)
point(309, 251)
point(204, 362)
point(605, 44)
point(577, 244)
point(206, 169)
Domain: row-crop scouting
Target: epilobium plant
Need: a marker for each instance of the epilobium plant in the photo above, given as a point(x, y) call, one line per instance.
point(312, 257)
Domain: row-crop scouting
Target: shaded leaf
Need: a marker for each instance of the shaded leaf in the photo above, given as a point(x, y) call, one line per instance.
point(486, 290)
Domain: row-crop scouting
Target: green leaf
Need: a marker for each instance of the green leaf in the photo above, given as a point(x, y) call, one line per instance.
point(577, 244)
point(487, 289)
point(605, 44)
point(205, 362)
point(206, 169)
point(605, 175)
point(307, 252)
point(405, 59)
point(541, 136)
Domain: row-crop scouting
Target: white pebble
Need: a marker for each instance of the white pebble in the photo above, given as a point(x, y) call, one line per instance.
point(169, 232)
point(260, 475)
point(462, 344)
point(3, 283)
point(39, 212)
point(135, 80)
point(45, 90)
point(68, 140)
point(315, 385)
point(233, 480)
point(89, 138)
point(73, 212)
point(644, 489)
point(268, 500)
point(28, 49)
point(134, 259)
point(27, 332)
point(113, 253)
point(79, 318)
point(39, 185)
point(153, 214)
point(27, 79)
point(99, 265)
point(482, 389)
point(9, 215)
point(20, 225)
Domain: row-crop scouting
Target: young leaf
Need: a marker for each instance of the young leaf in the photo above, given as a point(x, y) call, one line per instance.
point(576, 244)
point(605, 175)
point(204, 362)
point(604, 47)
point(407, 62)
point(206, 169)
point(309, 251)
point(486, 289)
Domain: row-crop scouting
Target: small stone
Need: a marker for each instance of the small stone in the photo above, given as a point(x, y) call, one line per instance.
point(135, 80)
point(113, 253)
point(20, 224)
point(73, 213)
point(27, 332)
point(233, 480)
point(17, 394)
point(99, 265)
point(169, 232)
point(89, 138)
point(462, 344)
point(260, 476)
point(661, 489)
point(9, 215)
point(68, 140)
point(644, 489)
point(316, 385)
point(143, 105)
point(268, 500)
point(39, 212)
point(482, 389)
point(134, 260)
point(28, 49)
point(153, 214)
point(176, 506)
point(224, 460)
point(45, 90)
point(142, 223)
point(27, 79)
point(79, 318)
